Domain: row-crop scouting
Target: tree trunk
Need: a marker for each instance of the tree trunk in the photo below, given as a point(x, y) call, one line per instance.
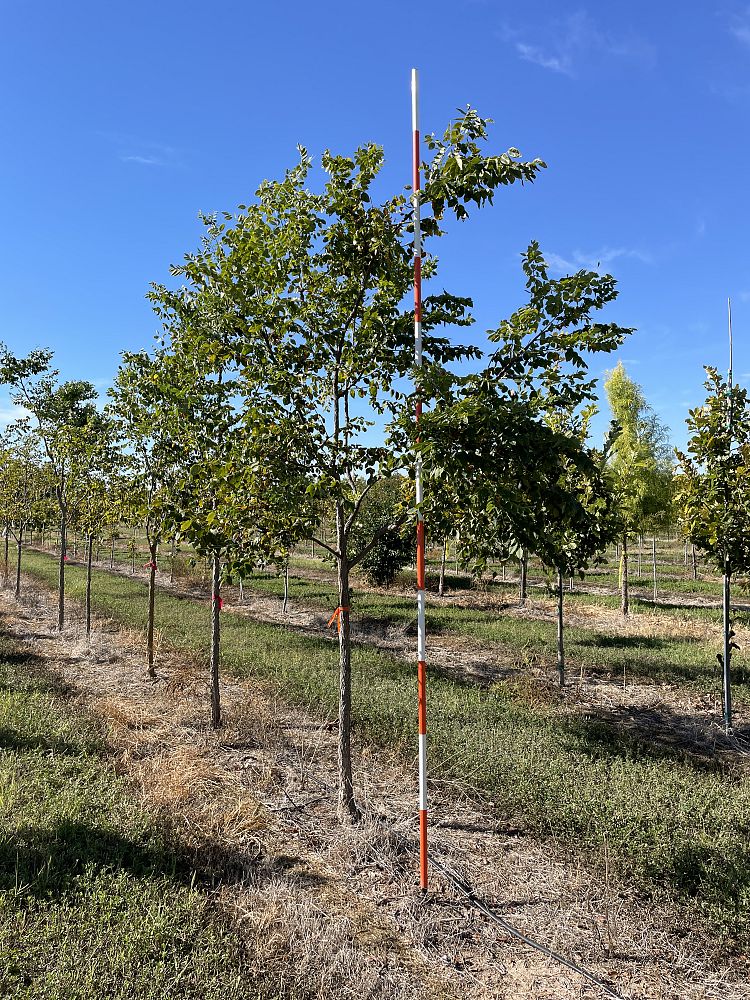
point(171, 562)
point(653, 564)
point(441, 585)
point(727, 658)
point(695, 565)
point(132, 555)
point(524, 574)
point(347, 807)
point(560, 645)
point(75, 544)
point(640, 551)
point(19, 541)
point(152, 550)
point(7, 545)
point(89, 558)
point(286, 590)
point(215, 642)
point(625, 602)
point(61, 572)
point(112, 553)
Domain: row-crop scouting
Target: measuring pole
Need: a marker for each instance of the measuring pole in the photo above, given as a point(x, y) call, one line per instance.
point(727, 567)
point(421, 628)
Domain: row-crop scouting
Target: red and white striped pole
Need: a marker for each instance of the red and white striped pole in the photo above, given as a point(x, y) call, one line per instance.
point(421, 638)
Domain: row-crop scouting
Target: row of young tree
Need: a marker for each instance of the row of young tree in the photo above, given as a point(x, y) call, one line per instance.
point(282, 387)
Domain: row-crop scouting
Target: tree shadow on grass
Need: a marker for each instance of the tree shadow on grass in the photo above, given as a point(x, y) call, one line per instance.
point(656, 734)
point(12, 739)
point(605, 641)
point(51, 862)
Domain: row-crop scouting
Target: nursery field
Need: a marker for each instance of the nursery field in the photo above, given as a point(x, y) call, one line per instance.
point(624, 773)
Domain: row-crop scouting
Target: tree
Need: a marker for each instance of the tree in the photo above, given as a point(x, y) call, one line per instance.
point(571, 543)
point(307, 290)
point(93, 468)
point(385, 507)
point(713, 494)
point(639, 465)
point(499, 456)
point(138, 406)
point(24, 489)
point(61, 413)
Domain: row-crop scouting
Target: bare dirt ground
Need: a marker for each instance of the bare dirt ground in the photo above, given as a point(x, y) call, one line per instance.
point(337, 909)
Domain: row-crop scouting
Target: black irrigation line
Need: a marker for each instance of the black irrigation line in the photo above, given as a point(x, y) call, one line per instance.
point(467, 890)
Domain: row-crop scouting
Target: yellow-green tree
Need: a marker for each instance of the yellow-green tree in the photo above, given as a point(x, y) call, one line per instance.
point(639, 465)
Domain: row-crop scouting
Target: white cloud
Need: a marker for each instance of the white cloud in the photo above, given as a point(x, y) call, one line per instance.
point(595, 261)
point(739, 26)
point(10, 412)
point(142, 152)
point(561, 63)
point(572, 41)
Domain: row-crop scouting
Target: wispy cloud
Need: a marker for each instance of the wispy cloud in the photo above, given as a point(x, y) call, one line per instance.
point(739, 25)
point(595, 261)
point(9, 413)
point(142, 152)
point(571, 41)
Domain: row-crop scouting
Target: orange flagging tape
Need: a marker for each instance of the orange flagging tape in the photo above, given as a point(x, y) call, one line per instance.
point(336, 617)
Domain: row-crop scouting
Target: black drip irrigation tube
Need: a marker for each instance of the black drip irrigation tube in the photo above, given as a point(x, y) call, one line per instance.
point(459, 883)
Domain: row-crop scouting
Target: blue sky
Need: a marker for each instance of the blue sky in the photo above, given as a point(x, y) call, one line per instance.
point(120, 122)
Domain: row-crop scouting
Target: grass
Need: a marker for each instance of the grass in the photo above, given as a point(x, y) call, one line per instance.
point(520, 641)
point(95, 901)
point(673, 824)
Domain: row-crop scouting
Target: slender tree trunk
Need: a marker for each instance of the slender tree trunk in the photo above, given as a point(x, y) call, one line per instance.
point(524, 575)
point(625, 602)
point(75, 544)
point(153, 551)
point(112, 553)
point(686, 554)
point(727, 658)
point(560, 644)
point(640, 552)
point(61, 572)
point(653, 564)
point(19, 542)
point(89, 559)
point(285, 602)
point(171, 562)
point(5, 565)
point(241, 589)
point(132, 554)
point(695, 565)
point(347, 807)
point(441, 585)
point(215, 642)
